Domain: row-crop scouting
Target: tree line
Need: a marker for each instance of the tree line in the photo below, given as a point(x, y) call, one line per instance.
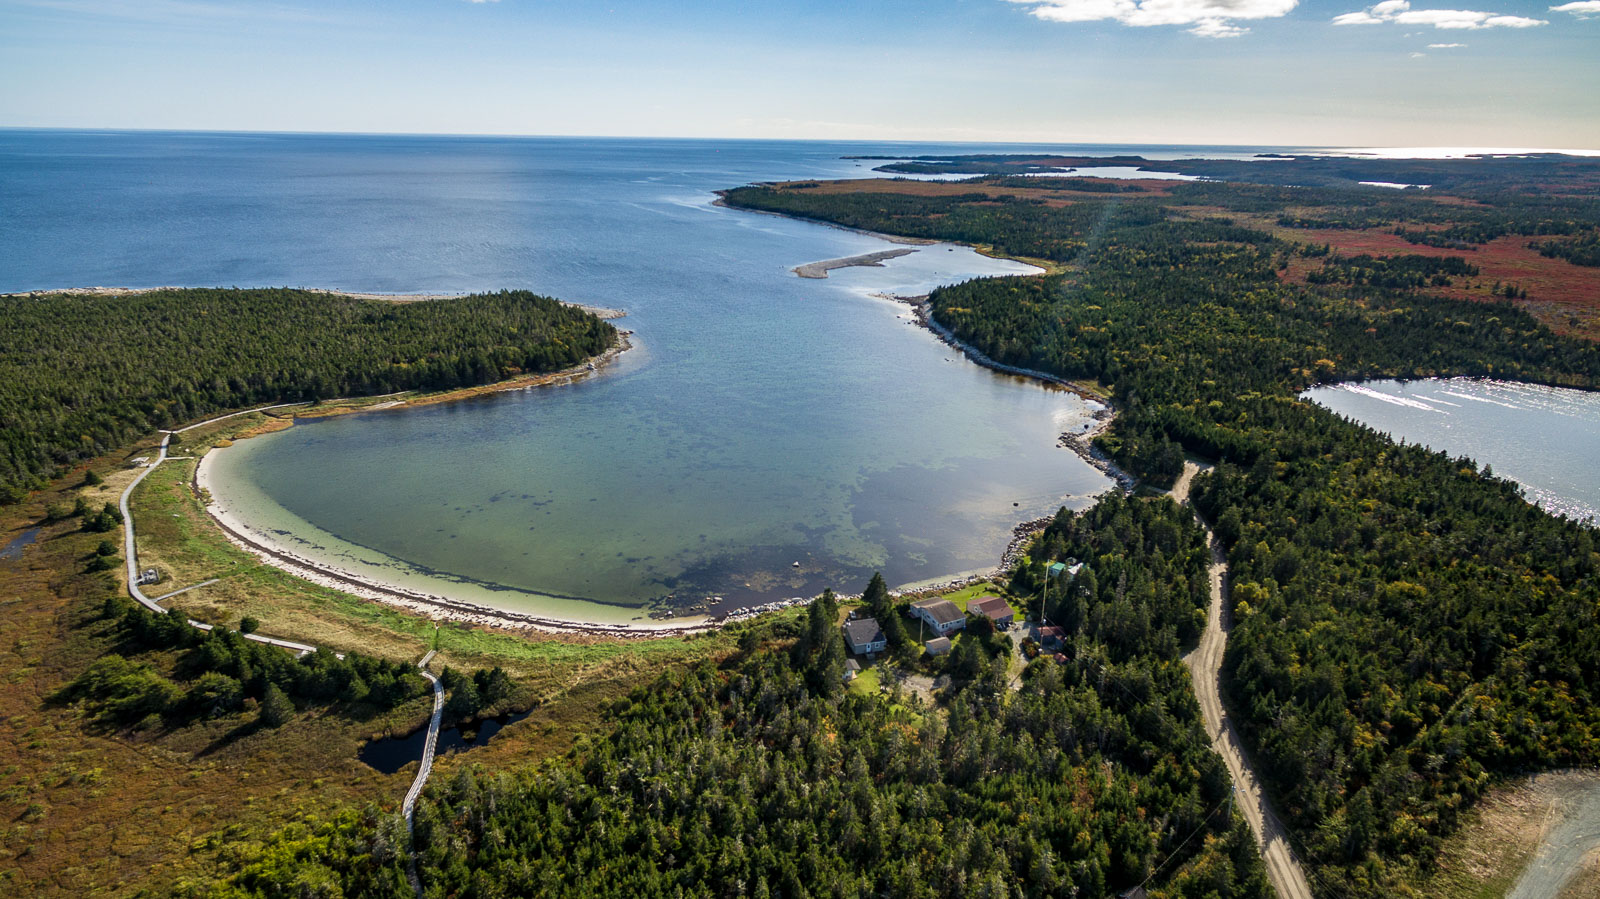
point(764, 776)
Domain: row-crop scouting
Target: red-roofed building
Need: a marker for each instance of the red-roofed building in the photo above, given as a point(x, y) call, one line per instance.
point(995, 609)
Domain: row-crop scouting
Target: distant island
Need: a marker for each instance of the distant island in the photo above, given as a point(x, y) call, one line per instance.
point(1531, 172)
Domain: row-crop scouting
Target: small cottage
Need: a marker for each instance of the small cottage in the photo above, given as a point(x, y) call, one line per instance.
point(865, 636)
point(995, 609)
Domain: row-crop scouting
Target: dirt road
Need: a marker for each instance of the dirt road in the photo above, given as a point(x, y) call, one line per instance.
point(1205, 667)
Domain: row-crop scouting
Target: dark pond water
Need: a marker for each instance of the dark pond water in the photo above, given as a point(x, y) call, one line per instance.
point(14, 546)
point(390, 754)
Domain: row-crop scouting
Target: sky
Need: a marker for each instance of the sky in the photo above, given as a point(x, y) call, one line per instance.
point(1318, 73)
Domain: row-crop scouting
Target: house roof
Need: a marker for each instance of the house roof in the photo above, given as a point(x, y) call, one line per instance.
point(938, 645)
point(852, 665)
point(942, 611)
point(1050, 631)
point(862, 631)
point(991, 606)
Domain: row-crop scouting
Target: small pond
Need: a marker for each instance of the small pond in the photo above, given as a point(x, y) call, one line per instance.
point(14, 546)
point(390, 754)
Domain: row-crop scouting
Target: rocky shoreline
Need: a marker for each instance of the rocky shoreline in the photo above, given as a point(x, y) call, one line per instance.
point(1081, 443)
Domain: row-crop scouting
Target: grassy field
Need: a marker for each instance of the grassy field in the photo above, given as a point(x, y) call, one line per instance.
point(865, 683)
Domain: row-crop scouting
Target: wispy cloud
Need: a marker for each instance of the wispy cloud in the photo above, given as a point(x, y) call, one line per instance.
point(1400, 12)
point(1206, 18)
point(1583, 9)
point(1444, 46)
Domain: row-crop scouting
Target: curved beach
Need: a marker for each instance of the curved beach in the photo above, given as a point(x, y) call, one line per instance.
point(274, 547)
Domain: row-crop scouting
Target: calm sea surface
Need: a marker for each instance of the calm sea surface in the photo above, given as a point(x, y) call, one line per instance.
point(1544, 438)
point(763, 419)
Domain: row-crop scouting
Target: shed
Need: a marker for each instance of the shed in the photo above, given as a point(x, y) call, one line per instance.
point(1051, 637)
point(851, 669)
point(938, 646)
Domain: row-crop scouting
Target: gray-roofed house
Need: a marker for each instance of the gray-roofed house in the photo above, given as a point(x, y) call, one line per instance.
point(938, 646)
point(942, 615)
point(865, 636)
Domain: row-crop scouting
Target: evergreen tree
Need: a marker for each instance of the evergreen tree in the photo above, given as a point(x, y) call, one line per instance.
point(821, 652)
point(880, 606)
point(276, 709)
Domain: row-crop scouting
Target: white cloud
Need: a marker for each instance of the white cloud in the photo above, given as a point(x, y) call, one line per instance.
point(1206, 18)
point(1444, 46)
point(1400, 11)
point(1582, 8)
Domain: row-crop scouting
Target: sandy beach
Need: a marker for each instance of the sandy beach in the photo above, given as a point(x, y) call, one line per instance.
point(438, 607)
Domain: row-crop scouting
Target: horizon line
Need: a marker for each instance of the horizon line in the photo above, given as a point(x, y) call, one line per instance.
point(1347, 148)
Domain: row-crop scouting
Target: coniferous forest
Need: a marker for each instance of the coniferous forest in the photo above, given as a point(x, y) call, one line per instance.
point(1408, 630)
point(81, 375)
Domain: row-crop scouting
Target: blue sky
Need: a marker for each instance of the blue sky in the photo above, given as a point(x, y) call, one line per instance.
point(1489, 73)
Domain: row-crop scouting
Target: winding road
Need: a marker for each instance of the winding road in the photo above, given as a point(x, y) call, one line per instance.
point(1205, 667)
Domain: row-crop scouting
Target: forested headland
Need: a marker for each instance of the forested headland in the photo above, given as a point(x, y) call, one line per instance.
point(81, 375)
point(1408, 630)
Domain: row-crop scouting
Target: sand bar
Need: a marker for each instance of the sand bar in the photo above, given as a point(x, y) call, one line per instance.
point(865, 260)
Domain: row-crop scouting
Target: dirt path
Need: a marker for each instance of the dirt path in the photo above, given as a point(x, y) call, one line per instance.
point(429, 746)
point(130, 547)
point(1205, 667)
